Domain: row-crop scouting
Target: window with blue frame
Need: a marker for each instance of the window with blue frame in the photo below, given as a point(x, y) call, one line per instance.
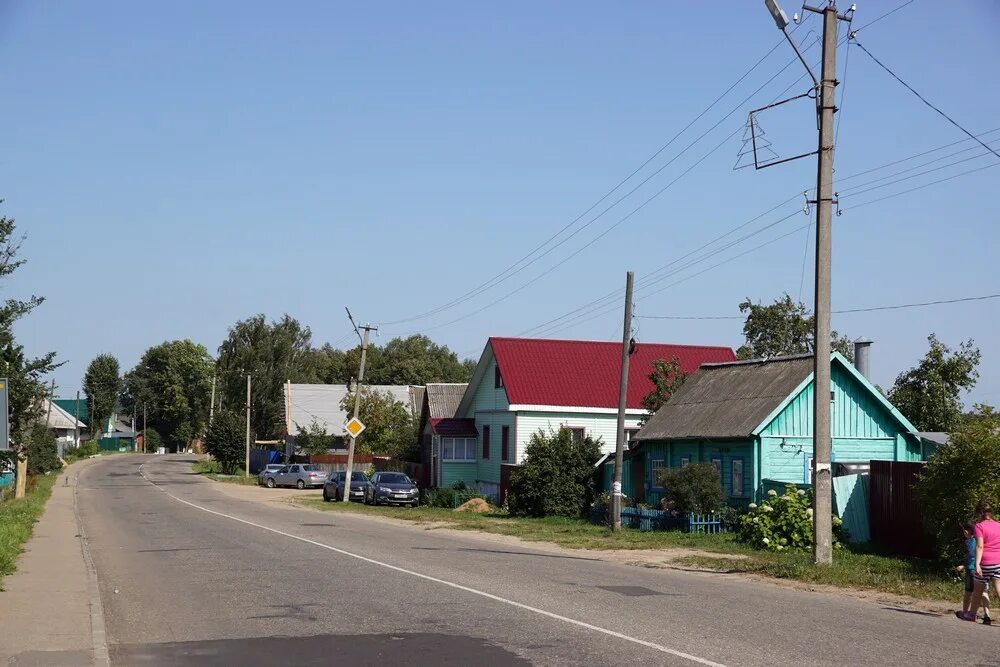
point(736, 477)
point(685, 460)
point(655, 470)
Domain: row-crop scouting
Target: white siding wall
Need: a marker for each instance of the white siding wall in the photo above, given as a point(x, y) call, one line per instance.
point(596, 425)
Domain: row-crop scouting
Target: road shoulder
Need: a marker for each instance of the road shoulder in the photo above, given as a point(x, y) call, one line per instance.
point(51, 599)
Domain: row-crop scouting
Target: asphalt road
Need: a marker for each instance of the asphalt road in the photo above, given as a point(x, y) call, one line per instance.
point(190, 574)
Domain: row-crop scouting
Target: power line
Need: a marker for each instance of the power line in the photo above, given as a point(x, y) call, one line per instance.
point(517, 268)
point(900, 306)
point(921, 97)
point(923, 186)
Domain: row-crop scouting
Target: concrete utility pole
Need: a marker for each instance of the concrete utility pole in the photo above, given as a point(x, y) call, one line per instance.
point(76, 427)
point(145, 443)
point(357, 404)
point(248, 428)
point(822, 443)
point(616, 488)
point(211, 407)
point(825, 108)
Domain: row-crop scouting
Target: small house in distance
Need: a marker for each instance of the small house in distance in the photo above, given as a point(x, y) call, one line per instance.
point(437, 423)
point(525, 385)
point(753, 421)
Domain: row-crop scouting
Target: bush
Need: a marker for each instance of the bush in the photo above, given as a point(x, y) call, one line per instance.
point(85, 450)
point(226, 441)
point(557, 477)
point(957, 477)
point(152, 441)
point(694, 488)
point(43, 452)
point(782, 522)
point(729, 517)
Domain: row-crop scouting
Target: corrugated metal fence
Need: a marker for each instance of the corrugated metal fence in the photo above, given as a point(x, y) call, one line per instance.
point(894, 518)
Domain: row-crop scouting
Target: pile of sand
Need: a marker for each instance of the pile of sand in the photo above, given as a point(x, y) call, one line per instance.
point(477, 505)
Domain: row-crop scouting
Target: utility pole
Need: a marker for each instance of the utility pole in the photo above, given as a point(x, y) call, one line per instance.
point(825, 109)
point(76, 427)
point(211, 407)
point(145, 443)
point(248, 427)
point(616, 488)
point(357, 403)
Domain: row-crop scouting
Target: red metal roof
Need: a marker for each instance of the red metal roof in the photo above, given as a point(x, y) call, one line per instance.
point(455, 427)
point(582, 373)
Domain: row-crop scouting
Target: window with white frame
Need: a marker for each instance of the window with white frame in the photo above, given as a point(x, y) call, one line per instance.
point(458, 449)
point(656, 469)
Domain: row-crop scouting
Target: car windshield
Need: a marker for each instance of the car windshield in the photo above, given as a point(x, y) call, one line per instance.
point(395, 478)
point(358, 477)
point(311, 468)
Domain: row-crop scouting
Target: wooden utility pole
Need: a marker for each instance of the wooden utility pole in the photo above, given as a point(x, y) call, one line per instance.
point(357, 405)
point(822, 443)
point(211, 407)
point(145, 443)
point(248, 427)
point(616, 487)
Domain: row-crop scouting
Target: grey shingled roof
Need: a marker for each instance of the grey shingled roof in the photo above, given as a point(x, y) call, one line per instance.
point(443, 399)
point(727, 400)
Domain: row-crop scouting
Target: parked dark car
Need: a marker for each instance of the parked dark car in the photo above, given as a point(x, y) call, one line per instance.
point(393, 488)
point(334, 487)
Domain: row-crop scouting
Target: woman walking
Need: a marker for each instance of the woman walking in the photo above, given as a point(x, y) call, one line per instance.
point(987, 534)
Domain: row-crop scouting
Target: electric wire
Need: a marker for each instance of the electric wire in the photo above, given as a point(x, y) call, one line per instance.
point(921, 97)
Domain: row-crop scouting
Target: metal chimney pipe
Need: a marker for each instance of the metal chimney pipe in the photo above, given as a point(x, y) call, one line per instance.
point(862, 356)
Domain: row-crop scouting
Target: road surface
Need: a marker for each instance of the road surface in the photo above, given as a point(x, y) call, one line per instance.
point(190, 574)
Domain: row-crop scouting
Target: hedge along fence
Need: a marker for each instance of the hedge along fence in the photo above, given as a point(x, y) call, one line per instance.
point(647, 520)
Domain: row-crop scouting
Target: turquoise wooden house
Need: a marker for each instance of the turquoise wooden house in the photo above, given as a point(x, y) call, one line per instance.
point(753, 421)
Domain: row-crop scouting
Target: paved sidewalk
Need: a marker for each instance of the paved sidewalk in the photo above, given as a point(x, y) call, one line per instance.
point(45, 611)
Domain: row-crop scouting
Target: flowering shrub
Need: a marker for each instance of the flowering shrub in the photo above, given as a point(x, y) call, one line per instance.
point(782, 522)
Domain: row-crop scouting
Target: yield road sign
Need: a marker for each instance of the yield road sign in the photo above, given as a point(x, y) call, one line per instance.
point(354, 427)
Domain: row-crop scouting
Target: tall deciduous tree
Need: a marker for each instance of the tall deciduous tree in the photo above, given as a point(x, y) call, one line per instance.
point(270, 353)
point(226, 441)
point(413, 360)
point(930, 393)
point(25, 375)
point(102, 384)
point(390, 428)
point(782, 328)
point(667, 377)
point(173, 382)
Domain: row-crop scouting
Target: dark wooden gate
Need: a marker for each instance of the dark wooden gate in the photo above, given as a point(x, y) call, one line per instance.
point(894, 517)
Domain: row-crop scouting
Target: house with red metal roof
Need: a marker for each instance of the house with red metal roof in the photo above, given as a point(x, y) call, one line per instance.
point(524, 385)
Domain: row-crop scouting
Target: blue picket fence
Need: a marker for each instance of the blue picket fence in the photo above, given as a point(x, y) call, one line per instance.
point(649, 519)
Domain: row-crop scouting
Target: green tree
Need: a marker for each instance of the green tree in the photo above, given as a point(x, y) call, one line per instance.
point(102, 384)
point(25, 375)
point(173, 382)
point(413, 360)
point(226, 441)
point(390, 429)
point(782, 328)
point(43, 451)
point(313, 440)
point(958, 476)
point(667, 377)
point(694, 488)
point(271, 353)
point(557, 477)
point(929, 394)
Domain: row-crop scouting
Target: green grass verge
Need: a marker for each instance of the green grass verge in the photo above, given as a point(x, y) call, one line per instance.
point(570, 533)
point(854, 567)
point(212, 470)
point(17, 520)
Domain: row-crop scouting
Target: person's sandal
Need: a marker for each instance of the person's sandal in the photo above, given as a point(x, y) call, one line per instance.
point(987, 620)
point(965, 616)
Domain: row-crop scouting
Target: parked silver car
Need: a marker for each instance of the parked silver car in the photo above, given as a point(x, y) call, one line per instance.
point(269, 469)
point(299, 475)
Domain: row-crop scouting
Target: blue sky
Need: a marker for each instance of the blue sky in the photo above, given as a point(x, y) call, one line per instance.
point(183, 165)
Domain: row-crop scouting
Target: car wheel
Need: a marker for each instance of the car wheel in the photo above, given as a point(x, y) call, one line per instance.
point(326, 498)
point(270, 482)
point(300, 484)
